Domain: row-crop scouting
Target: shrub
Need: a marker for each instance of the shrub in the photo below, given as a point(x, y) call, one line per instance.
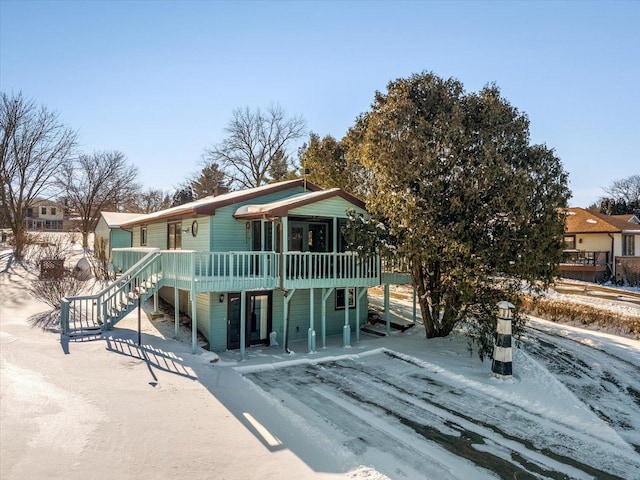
point(563, 312)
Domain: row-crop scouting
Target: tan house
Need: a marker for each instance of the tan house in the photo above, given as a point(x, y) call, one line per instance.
point(600, 247)
point(43, 216)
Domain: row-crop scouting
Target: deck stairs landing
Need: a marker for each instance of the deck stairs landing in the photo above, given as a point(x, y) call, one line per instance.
point(90, 315)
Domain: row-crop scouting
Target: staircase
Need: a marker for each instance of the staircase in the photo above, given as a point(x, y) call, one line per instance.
point(90, 315)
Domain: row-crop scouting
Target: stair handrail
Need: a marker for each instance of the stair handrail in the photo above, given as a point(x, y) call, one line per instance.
point(127, 277)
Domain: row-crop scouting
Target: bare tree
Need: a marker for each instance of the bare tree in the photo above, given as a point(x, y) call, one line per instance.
point(96, 182)
point(34, 147)
point(257, 143)
point(626, 189)
point(149, 201)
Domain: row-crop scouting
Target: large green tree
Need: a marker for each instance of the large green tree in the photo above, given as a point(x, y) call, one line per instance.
point(329, 163)
point(464, 196)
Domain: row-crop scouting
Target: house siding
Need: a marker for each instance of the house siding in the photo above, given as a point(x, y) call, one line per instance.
point(332, 207)
point(231, 235)
point(600, 242)
point(298, 317)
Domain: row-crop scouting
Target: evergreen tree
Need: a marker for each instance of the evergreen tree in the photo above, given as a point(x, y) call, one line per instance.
point(329, 164)
point(207, 182)
point(184, 194)
point(463, 195)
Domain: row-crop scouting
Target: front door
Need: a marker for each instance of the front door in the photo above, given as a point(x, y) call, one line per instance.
point(258, 324)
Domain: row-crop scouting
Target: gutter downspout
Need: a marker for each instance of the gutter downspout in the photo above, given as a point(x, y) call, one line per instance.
point(611, 265)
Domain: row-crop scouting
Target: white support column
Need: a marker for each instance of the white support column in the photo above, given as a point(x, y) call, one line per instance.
point(262, 235)
point(176, 304)
point(194, 323)
point(287, 299)
point(359, 296)
point(335, 234)
point(311, 336)
point(346, 330)
point(285, 235)
point(387, 314)
point(243, 322)
point(155, 302)
point(325, 297)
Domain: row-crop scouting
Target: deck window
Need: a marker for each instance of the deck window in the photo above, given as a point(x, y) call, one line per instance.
point(174, 236)
point(628, 247)
point(340, 297)
point(143, 235)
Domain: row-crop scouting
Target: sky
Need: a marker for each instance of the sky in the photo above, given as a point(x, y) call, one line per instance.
point(159, 80)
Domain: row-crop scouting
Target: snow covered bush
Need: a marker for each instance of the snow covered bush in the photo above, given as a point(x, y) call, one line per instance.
point(580, 314)
point(52, 291)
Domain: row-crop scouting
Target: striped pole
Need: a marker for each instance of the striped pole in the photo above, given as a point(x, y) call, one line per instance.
point(502, 357)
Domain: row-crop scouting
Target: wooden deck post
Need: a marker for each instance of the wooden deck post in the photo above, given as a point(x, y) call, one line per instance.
point(243, 322)
point(387, 314)
point(346, 330)
point(325, 296)
point(176, 311)
point(285, 340)
point(194, 323)
point(312, 333)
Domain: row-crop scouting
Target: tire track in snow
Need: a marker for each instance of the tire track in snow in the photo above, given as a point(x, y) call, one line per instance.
point(609, 385)
point(419, 404)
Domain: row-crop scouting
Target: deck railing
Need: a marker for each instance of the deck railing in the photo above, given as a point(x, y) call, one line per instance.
point(225, 271)
point(585, 258)
point(313, 269)
point(103, 309)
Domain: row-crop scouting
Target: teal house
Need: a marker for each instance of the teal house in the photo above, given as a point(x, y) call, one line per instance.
point(108, 233)
point(253, 267)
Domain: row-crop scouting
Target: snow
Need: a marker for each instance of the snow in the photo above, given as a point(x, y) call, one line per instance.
point(396, 407)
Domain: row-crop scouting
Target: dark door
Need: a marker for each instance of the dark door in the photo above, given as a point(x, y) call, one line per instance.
point(259, 320)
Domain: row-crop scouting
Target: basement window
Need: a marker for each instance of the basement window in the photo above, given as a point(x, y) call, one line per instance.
point(341, 293)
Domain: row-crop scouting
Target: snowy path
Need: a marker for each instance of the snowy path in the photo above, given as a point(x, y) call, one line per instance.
point(437, 425)
point(607, 383)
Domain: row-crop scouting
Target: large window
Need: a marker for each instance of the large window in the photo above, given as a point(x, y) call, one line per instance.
point(43, 210)
point(174, 236)
point(143, 235)
point(628, 247)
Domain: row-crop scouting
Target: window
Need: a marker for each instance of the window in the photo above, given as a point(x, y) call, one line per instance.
point(143, 235)
point(53, 210)
point(174, 236)
point(628, 247)
point(43, 210)
point(340, 296)
point(569, 242)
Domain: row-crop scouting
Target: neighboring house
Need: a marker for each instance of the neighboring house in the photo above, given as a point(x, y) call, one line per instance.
point(109, 235)
point(43, 216)
point(248, 263)
point(599, 247)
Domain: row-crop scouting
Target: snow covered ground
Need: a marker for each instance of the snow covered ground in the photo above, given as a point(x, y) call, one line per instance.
point(388, 407)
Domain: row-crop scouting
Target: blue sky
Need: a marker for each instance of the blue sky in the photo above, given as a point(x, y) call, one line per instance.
point(159, 80)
